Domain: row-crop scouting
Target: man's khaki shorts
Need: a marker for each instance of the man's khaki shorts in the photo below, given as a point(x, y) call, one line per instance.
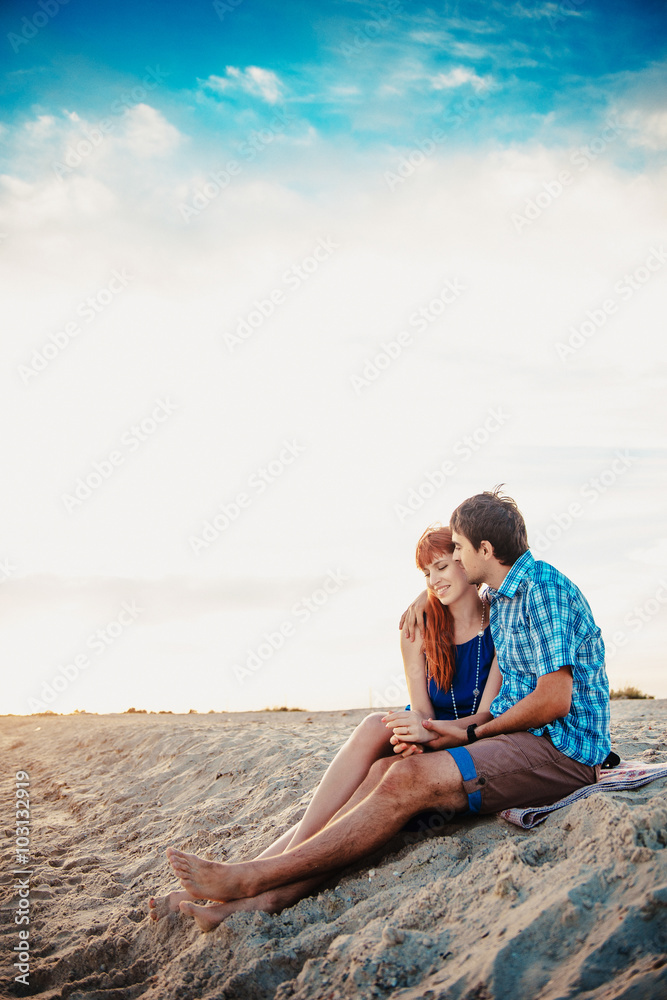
point(517, 770)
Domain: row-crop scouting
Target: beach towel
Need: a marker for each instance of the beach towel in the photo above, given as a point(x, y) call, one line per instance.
point(628, 774)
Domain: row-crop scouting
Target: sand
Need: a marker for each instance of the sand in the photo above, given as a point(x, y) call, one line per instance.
point(574, 908)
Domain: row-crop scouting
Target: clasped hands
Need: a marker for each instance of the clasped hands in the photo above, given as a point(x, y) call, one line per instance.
point(414, 732)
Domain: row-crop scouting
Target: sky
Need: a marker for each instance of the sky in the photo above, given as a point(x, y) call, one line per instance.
point(282, 285)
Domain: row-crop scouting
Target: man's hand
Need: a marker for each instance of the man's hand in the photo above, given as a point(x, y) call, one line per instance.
point(414, 617)
point(445, 734)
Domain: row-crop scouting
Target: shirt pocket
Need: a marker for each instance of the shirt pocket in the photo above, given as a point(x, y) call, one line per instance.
point(518, 647)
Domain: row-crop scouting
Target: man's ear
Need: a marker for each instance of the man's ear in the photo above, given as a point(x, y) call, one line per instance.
point(486, 548)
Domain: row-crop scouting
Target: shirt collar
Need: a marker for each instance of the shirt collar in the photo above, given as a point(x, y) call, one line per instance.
point(518, 571)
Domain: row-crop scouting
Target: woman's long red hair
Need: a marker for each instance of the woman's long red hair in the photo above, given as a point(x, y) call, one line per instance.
point(439, 647)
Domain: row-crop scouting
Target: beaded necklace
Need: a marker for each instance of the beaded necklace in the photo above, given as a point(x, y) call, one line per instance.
point(476, 692)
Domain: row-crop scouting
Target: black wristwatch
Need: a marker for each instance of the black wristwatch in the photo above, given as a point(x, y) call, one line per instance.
point(472, 735)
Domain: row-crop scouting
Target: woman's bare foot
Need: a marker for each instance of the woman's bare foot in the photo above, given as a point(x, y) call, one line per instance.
point(203, 879)
point(162, 906)
point(207, 918)
point(273, 901)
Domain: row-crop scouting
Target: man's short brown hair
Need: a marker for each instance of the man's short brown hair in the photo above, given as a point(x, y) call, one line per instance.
point(495, 518)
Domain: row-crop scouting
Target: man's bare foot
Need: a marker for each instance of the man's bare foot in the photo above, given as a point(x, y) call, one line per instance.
point(162, 906)
point(203, 879)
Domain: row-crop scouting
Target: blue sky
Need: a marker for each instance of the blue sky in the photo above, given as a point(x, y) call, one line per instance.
point(367, 72)
point(354, 244)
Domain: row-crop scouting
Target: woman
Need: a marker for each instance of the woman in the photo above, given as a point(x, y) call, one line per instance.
point(448, 669)
point(451, 672)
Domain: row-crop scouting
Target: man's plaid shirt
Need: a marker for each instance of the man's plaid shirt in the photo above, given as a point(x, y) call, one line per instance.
point(540, 621)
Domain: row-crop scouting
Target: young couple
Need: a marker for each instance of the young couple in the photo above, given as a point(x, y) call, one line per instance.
point(525, 725)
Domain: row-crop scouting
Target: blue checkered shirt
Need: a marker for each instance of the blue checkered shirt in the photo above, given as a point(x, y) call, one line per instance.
point(540, 622)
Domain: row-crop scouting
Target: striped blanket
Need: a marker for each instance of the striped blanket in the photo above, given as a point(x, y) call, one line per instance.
point(628, 774)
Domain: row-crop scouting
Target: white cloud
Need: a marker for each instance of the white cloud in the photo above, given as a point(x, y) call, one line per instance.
point(80, 143)
point(649, 129)
point(342, 91)
point(15, 187)
point(66, 163)
point(253, 80)
point(148, 133)
point(42, 126)
point(459, 77)
point(433, 38)
point(555, 11)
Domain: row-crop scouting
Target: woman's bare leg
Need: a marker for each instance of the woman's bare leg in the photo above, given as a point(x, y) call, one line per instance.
point(342, 779)
point(273, 901)
point(346, 772)
point(279, 845)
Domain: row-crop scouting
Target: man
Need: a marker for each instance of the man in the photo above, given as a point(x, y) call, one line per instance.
point(548, 735)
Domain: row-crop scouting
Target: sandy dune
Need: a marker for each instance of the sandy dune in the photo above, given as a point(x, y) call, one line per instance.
point(575, 908)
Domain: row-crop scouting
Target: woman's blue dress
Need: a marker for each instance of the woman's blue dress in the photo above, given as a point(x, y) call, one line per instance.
point(443, 706)
point(464, 679)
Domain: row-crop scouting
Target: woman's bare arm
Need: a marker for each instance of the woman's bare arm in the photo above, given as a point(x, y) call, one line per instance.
point(408, 723)
point(455, 729)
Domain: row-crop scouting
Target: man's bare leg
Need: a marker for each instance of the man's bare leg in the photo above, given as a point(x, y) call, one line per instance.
point(349, 772)
point(407, 787)
point(350, 769)
point(274, 900)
